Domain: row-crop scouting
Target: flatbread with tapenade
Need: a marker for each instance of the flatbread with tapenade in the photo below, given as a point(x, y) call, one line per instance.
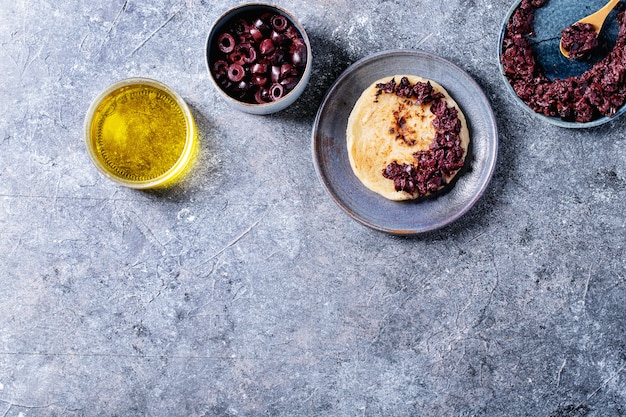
point(406, 137)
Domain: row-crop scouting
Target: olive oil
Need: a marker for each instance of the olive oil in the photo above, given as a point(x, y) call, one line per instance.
point(140, 134)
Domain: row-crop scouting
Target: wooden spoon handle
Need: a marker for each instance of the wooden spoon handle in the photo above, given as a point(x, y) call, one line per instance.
point(597, 18)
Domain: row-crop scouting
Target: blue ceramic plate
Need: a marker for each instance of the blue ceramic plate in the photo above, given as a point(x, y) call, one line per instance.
point(549, 20)
point(330, 153)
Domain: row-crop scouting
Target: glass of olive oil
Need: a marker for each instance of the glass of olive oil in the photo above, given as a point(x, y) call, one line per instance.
point(141, 134)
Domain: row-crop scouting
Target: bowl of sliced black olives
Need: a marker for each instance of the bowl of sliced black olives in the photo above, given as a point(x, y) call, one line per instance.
point(258, 57)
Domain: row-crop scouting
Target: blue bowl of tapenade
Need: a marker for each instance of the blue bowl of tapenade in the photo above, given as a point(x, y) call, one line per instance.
point(572, 93)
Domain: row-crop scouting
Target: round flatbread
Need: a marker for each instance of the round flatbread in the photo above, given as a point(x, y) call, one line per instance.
point(397, 146)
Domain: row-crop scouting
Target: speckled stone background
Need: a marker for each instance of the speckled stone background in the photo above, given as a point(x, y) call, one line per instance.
point(246, 291)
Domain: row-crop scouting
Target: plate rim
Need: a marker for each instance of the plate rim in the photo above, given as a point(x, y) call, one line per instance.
point(491, 133)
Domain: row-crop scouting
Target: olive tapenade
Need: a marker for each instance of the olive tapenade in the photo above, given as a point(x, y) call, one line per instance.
point(406, 137)
point(599, 91)
point(445, 155)
point(579, 39)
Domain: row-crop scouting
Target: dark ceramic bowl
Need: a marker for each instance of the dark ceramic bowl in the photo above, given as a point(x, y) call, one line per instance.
point(548, 22)
point(251, 11)
point(330, 153)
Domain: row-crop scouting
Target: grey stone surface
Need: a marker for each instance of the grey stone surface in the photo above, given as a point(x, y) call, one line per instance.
point(246, 291)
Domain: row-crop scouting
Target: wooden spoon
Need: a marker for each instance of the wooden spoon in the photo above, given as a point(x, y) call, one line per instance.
point(595, 19)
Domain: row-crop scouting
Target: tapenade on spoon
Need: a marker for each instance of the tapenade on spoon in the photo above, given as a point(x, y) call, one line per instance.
point(581, 38)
